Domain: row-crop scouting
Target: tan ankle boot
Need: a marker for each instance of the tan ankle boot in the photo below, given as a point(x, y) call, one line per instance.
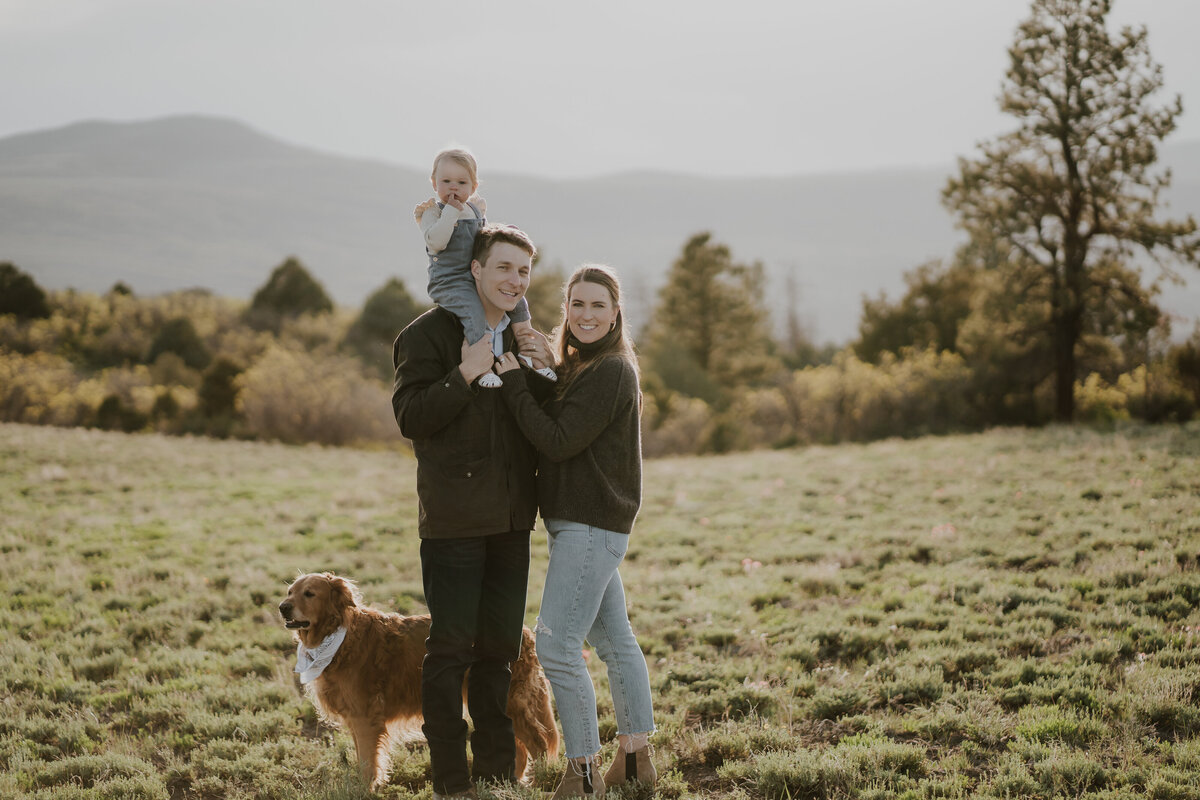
point(580, 781)
point(635, 766)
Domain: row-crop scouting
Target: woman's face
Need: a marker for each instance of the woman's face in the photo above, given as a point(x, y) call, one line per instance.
point(591, 311)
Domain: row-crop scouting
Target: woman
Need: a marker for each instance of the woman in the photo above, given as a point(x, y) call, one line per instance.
point(589, 491)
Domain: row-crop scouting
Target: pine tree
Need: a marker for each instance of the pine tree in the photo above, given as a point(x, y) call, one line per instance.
point(709, 334)
point(20, 295)
point(928, 315)
point(290, 292)
point(385, 313)
point(1070, 191)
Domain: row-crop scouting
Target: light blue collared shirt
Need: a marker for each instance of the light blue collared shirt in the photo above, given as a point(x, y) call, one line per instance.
point(498, 336)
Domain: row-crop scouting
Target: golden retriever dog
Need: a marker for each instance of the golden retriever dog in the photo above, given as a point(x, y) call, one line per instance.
point(372, 686)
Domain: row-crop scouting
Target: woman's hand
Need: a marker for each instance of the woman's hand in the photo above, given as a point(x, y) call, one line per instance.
point(507, 363)
point(535, 345)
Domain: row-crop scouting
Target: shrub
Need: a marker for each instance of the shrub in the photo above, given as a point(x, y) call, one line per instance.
point(1013, 779)
point(850, 400)
point(112, 331)
point(166, 407)
point(920, 392)
point(58, 737)
point(1170, 718)
point(170, 370)
point(848, 770)
point(1049, 724)
point(912, 687)
point(969, 660)
point(1184, 362)
point(804, 654)
point(673, 424)
point(179, 336)
point(765, 419)
point(829, 703)
point(88, 771)
point(1070, 772)
point(853, 644)
point(301, 397)
point(736, 703)
point(42, 389)
point(101, 667)
point(218, 388)
point(1168, 786)
point(776, 776)
point(1156, 393)
point(114, 415)
point(1098, 402)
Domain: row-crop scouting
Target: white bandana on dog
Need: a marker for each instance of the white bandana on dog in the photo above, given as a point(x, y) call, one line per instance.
point(311, 663)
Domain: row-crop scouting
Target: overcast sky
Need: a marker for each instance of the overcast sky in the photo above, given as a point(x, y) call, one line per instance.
point(557, 88)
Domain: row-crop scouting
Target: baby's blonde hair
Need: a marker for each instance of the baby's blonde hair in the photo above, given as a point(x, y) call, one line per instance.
point(460, 156)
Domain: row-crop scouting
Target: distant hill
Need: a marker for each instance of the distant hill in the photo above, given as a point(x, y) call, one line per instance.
point(201, 201)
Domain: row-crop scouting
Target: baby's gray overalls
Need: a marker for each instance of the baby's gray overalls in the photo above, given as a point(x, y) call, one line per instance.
point(451, 284)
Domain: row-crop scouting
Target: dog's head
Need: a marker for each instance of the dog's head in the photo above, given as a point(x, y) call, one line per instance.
point(317, 604)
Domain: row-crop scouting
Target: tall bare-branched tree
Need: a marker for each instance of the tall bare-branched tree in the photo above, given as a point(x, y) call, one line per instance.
point(1071, 191)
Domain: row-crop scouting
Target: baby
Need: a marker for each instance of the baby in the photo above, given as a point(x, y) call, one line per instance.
point(449, 223)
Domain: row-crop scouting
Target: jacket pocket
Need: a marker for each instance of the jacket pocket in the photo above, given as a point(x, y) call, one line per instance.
point(461, 471)
point(461, 495)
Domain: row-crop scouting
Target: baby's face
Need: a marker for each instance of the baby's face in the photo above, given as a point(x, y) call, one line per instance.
point(452, 180)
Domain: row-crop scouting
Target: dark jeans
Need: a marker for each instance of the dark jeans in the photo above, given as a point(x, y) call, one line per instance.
point(475, 590)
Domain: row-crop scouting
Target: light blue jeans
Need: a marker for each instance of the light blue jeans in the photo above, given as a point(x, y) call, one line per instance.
point(584, 598)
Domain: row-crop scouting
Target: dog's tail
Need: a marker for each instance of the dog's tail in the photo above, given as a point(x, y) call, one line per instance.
point(529, 705)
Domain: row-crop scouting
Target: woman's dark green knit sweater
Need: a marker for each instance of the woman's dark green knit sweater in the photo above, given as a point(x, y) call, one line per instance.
point(589, 443)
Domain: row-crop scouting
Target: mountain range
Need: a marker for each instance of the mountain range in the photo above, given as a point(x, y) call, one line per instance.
point(193, 201)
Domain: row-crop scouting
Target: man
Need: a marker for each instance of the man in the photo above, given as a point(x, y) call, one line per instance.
point(478, 503)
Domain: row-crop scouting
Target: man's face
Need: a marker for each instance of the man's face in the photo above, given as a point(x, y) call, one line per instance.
point(502, 281)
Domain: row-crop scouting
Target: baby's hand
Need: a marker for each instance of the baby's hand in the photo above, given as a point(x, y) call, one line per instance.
point(454, 201)
point(421, 208)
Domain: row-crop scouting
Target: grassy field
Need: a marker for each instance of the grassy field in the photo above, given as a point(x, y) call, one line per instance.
point(1012, 614)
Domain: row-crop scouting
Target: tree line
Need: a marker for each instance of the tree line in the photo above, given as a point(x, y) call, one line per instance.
point(1043, 314)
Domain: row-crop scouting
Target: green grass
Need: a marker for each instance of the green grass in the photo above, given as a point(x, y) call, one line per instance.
point(1011, 614)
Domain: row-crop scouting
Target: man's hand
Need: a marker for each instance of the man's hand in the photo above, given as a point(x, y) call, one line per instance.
point(535, 345)
point(476, 358)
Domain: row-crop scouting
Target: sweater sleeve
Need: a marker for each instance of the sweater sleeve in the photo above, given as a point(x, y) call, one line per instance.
point(589, 406)
point(437, 224)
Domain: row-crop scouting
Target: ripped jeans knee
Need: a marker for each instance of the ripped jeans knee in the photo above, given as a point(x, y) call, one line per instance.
point(554, 652)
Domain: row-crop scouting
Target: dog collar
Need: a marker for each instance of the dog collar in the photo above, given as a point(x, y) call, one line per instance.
point(311, 663)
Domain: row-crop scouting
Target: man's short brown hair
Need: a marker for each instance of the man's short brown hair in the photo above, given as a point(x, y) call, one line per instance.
point(490, 235)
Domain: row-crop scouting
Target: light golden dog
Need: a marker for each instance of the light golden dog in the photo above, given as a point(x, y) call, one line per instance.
point(372, 686)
